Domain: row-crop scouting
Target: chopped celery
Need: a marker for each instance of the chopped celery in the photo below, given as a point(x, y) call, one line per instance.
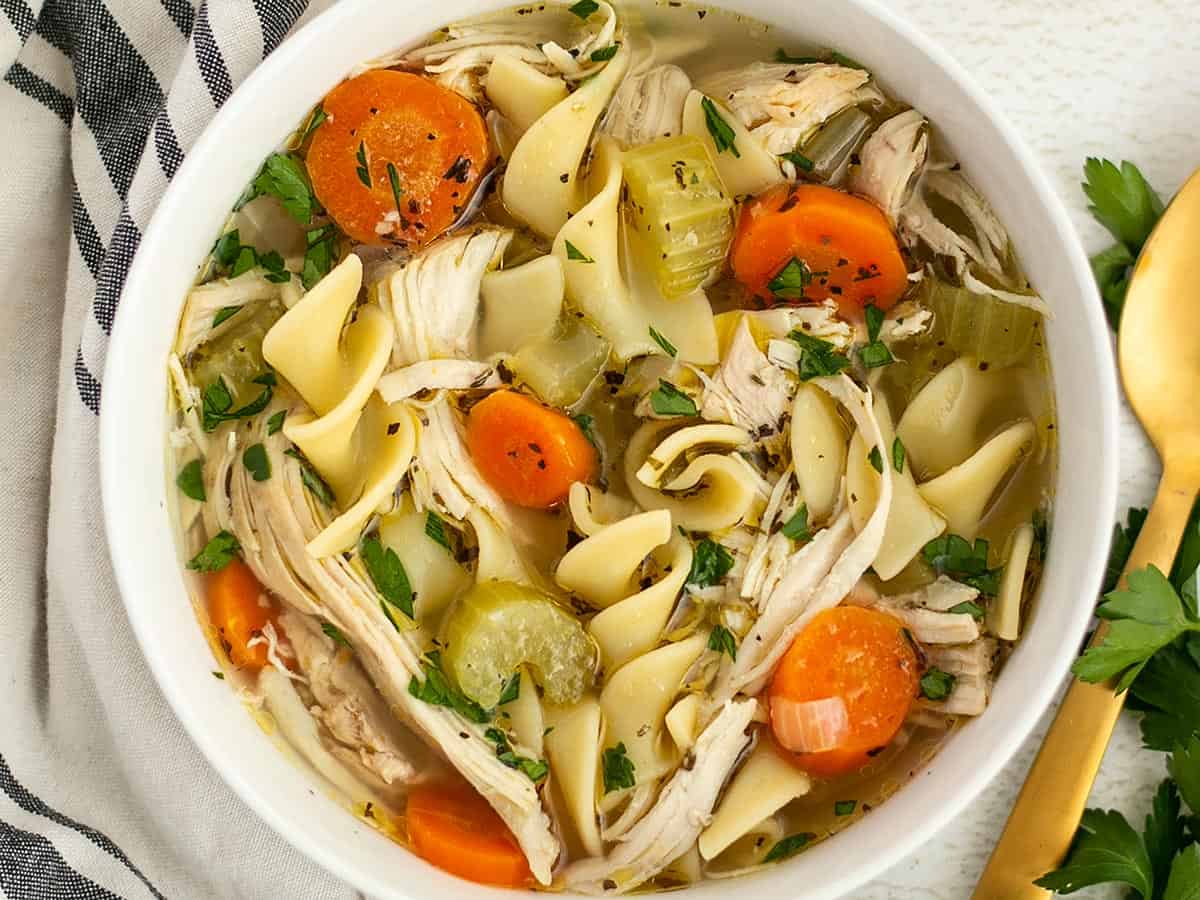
point(499, 626)
point(679, 211)
point(980, 325)
point(236, 355)
point(831, 147)
point(560, 367)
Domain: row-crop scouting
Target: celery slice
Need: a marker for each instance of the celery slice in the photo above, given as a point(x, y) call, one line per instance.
point(679, 211)
point(236, 355)
point(559, 368)
point(499, 626)
point(980, 325)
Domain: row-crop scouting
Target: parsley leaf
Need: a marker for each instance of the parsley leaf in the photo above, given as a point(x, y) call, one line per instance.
point(283, 177)
point(875, 355)
point(874, 316)
point(799, 160)
point(790, 281)
point(1121, 200)
point(843, 60)
point(437, 690)
point(512, 690)
point(535, 769)
point(817, 357)
point(277, 271)
point(722, 640)
point(394, 182)
point(584, 8)
point(936, 684)
point(956, 557)
point(1106, 849)
point(667, 346)
point(585, 423)
point(363, 171)
point(617, 768)
point(604, 54)
point(225, 252)
point(796, 528)
point(1164, 831)
point(789, 846)
point(332, 631)
point(435, 529)
point(668, 400)
point(875, 458)
point(388, 575)
point(318, 116)
point(723, 135)
point(1111, 270)
point(1184, 883)
point(224, 314)
point(1184, 767)
point(781, 56)
point(318, 257)
point(216, 402)
point(190, 480)
point(1144, 618)
point(576, 255)
point(1167, 693)
point(898, 454)
point(219, 552)
point(1122, 545)
point(845, 807)
point(967, 608)
point(255, 459)
point(710, 563)
point(276, 422)
point(308, 475)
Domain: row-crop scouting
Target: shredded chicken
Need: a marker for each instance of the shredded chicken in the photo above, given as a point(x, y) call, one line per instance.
point(892, 159)
point(444, 476)
point(433, 299)
point(274, 520)
point(461, 60)
point(204, 302)
point(648, 106)
point(747, 390)
point(437, 374)
point(683, 809)
point(782, 105)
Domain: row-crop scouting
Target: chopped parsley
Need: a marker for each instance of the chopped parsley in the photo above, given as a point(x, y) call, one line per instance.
point(617, 768)
point(311, 480)
point(220, 676)
point(535, 769)
point(363, 171)
point(225, 252)
point(936, 684)
point(955, 556)
point(967, 608)
point(512, 690)
point(875, 458)
point(843, 60)
point(789, 846)
point(583, 8)
point(247, 259)
point(604, 54)
point(277, 271)
point(394, 181)
point(710, 563)
point(318, 257)
point(586, 423)
point(817, 357)
point(219, 552)
point(844, 807)
point(723, 135)
point(668, 400)
point(256, 461)
point(437, 690)
point(790, 281)
point(276, 422)
point(224, 314)
point(216, 403)
point(782, 56)
point(388, 575)
point(667, 346)
point(574, 254)
point(722, 640)
point(796, 528)
point(335, 633)
point(282, 176)
point(190, 480)
point(799, 160)
point(875, 354)
point(435, 529)
point(318, 116)
point(898, 454)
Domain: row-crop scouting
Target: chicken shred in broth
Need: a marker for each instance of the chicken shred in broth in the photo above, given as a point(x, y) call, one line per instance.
point(614, 445)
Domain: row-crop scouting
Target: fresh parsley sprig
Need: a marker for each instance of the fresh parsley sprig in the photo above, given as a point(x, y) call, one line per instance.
point(617, 769)
point(955, 556)
point(817, 357)
point(437, 690)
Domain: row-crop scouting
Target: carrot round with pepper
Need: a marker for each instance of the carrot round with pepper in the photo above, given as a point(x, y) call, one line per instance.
point(397, 157)
point(531, 454)
point(236, 612)
point(862, 656)
point(811, 242)
point(454, 828)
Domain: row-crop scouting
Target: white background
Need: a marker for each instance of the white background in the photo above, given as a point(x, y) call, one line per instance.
point(1078, 78)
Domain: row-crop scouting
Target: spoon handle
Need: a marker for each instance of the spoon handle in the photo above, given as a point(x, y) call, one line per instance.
point(1048, 809)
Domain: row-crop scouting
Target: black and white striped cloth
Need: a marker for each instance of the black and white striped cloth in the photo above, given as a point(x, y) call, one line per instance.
point(102, 795)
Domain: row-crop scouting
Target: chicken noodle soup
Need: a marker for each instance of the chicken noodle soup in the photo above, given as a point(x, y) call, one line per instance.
point(613, 445)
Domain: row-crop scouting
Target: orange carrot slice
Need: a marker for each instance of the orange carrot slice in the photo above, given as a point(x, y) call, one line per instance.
point(529, 453)
point(397, 157)
point(454, 828)
point(861, 656)
point(233, 606)
point(809, 242)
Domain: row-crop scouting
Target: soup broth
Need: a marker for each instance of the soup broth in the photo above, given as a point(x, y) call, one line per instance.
point(614, 445)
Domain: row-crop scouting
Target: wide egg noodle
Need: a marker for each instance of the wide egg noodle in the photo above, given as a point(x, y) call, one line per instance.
point(435, 576)
point(520, 305)
point(520, 92)
point(600, 569)
point(818, 444)
point(748, 173)
point(573, 746)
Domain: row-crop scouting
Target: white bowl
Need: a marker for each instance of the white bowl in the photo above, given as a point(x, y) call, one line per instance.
point(134, 422)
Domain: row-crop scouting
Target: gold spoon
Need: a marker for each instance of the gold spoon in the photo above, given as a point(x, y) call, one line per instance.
point(1159, 350)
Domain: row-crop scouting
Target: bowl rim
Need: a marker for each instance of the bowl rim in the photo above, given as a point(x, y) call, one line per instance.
point(123, 554)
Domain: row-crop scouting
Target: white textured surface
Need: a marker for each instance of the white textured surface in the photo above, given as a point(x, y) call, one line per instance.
point(1096, 78)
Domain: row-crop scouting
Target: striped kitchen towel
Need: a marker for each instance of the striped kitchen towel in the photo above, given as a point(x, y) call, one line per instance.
point(102, 794)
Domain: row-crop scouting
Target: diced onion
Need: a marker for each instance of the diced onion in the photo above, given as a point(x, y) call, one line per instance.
point(810, 726)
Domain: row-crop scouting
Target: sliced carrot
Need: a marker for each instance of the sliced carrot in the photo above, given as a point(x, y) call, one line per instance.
point(809, 242)
point(866, 658)
point(397, 157)
point(234, 608)
point(454, 828)
point(529, 453)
